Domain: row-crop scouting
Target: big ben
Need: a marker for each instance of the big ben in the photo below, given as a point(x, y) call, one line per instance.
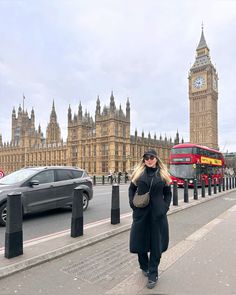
point(203, 98)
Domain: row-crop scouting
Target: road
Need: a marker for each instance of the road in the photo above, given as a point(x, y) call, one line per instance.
point(40, 224)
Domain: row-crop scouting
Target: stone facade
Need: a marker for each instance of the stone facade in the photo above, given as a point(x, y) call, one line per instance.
point(203, 98)
point(99, 146)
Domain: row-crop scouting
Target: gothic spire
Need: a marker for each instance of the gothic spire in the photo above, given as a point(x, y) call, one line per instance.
point(53, 116)
point(128, 109)
point(203, 56)
point(32, 117)
point(80, 112)
point(202, 43)
point(14, 113)
point(98, 106)
point(112, 102)
point(69, 114)
point(176, 140)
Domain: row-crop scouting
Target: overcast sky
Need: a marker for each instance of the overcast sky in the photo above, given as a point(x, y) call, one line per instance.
point(73, 51)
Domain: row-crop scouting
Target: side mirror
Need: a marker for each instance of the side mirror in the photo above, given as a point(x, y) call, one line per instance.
point(34, 182)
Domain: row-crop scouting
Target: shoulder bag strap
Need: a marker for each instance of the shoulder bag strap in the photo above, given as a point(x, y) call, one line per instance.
point(151, 185)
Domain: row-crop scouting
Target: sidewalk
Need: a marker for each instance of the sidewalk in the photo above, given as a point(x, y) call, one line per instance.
point(85, 270)
point(208, 260)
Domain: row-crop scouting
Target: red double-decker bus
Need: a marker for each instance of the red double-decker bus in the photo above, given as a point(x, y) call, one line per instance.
point(191, 161)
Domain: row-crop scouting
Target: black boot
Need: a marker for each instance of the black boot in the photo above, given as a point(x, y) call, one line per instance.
point(151, 283)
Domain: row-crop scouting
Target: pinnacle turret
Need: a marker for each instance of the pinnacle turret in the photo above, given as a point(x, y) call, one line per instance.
point(128, 109)
point(69, 114)
point(112, 102)
point(80, 112)
point(53, 116)
point(98, 106)
point(203, 56)
point(202, 42)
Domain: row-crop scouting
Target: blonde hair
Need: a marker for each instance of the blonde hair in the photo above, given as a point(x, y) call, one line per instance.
point(165, 175)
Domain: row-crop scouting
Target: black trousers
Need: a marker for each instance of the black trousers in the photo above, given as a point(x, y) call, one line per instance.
point(149, 263)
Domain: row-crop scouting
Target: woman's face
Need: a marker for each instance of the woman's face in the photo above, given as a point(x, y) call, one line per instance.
point(150, 161)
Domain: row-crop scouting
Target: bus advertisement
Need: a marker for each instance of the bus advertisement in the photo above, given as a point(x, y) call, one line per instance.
point(192, 161)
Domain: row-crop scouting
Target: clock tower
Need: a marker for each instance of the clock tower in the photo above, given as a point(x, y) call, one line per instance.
point(203, 98)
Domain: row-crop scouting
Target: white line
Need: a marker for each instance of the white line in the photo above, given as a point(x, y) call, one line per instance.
point(65, 232)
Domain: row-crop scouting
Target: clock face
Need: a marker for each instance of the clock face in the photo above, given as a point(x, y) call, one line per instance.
point(199, 82)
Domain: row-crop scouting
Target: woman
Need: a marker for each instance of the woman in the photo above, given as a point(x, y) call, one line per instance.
point(149, 231)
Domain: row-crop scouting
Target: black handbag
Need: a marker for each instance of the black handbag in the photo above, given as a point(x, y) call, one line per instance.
point(141, 201)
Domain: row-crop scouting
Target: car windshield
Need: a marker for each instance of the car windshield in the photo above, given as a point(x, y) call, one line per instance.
point(182, 171)
point(17, 176)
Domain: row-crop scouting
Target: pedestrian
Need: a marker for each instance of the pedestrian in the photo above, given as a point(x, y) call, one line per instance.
point(149, 235)
point(126, 176)
point(110, 177)
point(114, 176)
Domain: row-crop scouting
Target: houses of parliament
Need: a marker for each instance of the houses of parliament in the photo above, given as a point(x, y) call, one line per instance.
point(98, 145)
point(105, 143)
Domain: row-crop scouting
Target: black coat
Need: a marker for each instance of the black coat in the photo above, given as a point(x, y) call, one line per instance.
point(149, 231)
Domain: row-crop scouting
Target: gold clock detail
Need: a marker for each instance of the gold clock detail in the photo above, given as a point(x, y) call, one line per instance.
point(199, 82)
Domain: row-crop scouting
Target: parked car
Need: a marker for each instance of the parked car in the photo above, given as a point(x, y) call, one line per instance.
point(44, 188)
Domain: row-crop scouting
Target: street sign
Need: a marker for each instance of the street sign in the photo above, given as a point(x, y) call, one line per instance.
point(1, 174)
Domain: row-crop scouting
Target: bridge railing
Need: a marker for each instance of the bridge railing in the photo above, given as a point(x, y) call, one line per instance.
point(110, 179)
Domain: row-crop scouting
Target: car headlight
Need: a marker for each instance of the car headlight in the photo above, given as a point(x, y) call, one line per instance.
point(190, 181)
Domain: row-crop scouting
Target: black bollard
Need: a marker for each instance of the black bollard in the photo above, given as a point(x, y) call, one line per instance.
point(186, 191)
point(219, 184)
point(223, 184)
point(175, 193)
point(227, 183)
point(14, 232)
point(230, 186)
point(209, 186)
point(195, 192)
point(77, 219)
point(103, 179)
point(118, 178)
point(203, 188)
point(115, 204)
point(94, 180)
point(214, 181)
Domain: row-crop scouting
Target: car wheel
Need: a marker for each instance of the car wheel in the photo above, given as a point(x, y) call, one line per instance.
point(3, 214)
point(85, 201)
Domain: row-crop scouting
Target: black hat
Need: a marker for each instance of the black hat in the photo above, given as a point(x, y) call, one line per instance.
point(150, 153)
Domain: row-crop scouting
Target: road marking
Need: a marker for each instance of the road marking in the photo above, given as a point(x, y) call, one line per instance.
point(65, 232)
point(108, 193)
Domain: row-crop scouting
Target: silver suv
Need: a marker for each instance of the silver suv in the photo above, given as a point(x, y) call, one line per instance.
point(44, 188)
